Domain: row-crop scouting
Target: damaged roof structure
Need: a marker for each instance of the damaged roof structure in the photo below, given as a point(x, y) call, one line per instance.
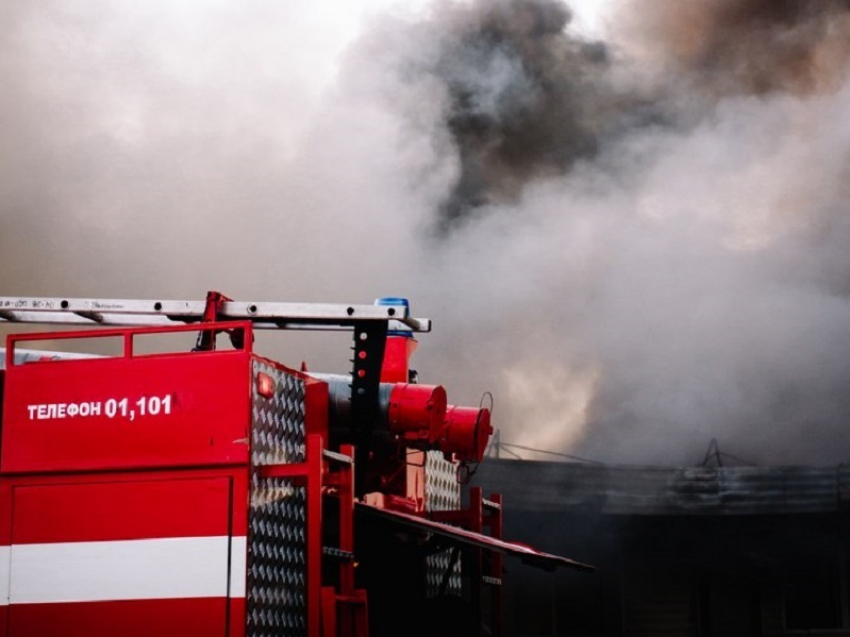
point(635, 490)
point(703, 551)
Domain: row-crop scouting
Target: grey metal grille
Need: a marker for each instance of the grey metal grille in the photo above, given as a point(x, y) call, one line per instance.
point(442, 490)
point(442, 493)
point(277, 526)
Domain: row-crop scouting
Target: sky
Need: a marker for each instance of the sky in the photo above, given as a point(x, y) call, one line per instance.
point(630, 226)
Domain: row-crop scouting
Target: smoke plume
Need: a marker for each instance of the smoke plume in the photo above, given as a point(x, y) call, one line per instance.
point(654, 220)
point(638, 240)
point(754, 46)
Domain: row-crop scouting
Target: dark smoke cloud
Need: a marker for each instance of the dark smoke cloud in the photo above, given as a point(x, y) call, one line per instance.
point(518, 108)
point(754, 46)
point(527, 98)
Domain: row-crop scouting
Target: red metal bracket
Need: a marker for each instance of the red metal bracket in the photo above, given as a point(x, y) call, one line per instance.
point(212, 312)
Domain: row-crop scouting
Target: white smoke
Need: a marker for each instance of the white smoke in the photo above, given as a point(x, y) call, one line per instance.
point(683, 278)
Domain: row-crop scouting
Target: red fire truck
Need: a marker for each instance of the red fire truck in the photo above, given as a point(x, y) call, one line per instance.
point(213, 491)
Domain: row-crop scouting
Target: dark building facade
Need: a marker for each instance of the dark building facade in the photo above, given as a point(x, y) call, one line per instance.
point(687, 552)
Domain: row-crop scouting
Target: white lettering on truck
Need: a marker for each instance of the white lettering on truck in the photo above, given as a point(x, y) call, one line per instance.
point(145, 406)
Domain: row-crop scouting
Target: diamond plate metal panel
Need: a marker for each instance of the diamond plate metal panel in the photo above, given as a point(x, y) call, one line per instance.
point(277, 432)
point(277, 526)
point(442, 493)
point(442, 490)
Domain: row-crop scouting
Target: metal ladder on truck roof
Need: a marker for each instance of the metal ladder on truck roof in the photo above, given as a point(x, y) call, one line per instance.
point(370, 324)
point(264, 315)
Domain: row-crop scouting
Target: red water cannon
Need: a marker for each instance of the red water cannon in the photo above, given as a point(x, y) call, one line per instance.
point(466, 433)
point(417, 413)
point(418, 416)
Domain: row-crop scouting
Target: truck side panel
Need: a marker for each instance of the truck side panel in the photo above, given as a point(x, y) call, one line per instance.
point(126, 413)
